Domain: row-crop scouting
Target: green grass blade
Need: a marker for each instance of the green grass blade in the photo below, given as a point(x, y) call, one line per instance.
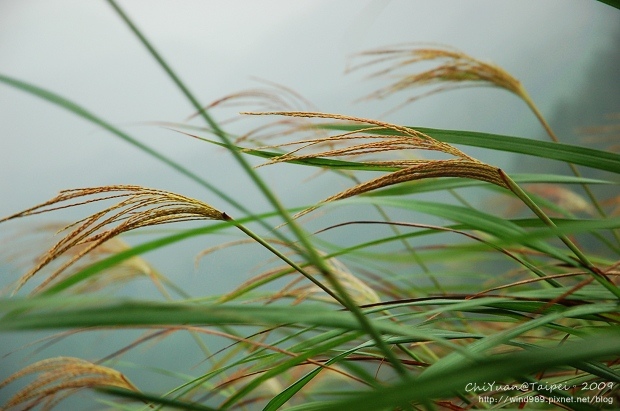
point(447, 183)
point(154, 399)
point(61, 312)
point(455, 360)
point(566, 226)
point(310, 252)
point(313, 162)
point(288, 393)
point(285, 366)
point(473, 219)
point(612, 3)
point(495, 368)
point(602, 160)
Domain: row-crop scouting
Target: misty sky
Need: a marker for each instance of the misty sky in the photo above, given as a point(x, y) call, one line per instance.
point(84, 52)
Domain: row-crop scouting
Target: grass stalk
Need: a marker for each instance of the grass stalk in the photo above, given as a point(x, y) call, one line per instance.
point(312, 254)
point(585, 261)
point(530, 103)
point(283, 257)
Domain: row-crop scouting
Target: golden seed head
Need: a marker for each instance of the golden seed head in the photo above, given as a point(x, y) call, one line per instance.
point(59, 375)
point(374, 136)
point(138, 207)
point(451, 69)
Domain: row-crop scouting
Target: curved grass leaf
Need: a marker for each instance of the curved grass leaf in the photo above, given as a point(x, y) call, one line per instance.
point(117, 258)
point(602, 160)
point(472, 219)
point(287, 365)
point(565, 226)
point(314, 162)
point(63, 312)
point(455, 360)
point(288, 393)
point(448, 183)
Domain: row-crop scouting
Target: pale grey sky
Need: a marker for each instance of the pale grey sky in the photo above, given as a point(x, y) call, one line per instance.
point(83, 51)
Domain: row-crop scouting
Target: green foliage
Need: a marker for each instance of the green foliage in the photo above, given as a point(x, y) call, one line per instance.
point(449, 305)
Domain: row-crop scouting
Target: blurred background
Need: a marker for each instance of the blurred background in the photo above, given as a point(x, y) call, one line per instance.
point(566, 54)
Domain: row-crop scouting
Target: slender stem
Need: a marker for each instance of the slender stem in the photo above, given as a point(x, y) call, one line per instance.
point(281, 256)
point(341, 295)
point(412, 251)
point(312, 255)
point(217, 130)
point(408, 246)
point(598, 275)
point(530, 103)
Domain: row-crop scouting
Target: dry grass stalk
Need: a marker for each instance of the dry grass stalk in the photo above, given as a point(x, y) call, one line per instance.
point(360, 292)
point(400, 138)
point(59, 377)
point(218, 247)
point(134, 267)
point(139, 207)
point(452, 69)
point(272, 97)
